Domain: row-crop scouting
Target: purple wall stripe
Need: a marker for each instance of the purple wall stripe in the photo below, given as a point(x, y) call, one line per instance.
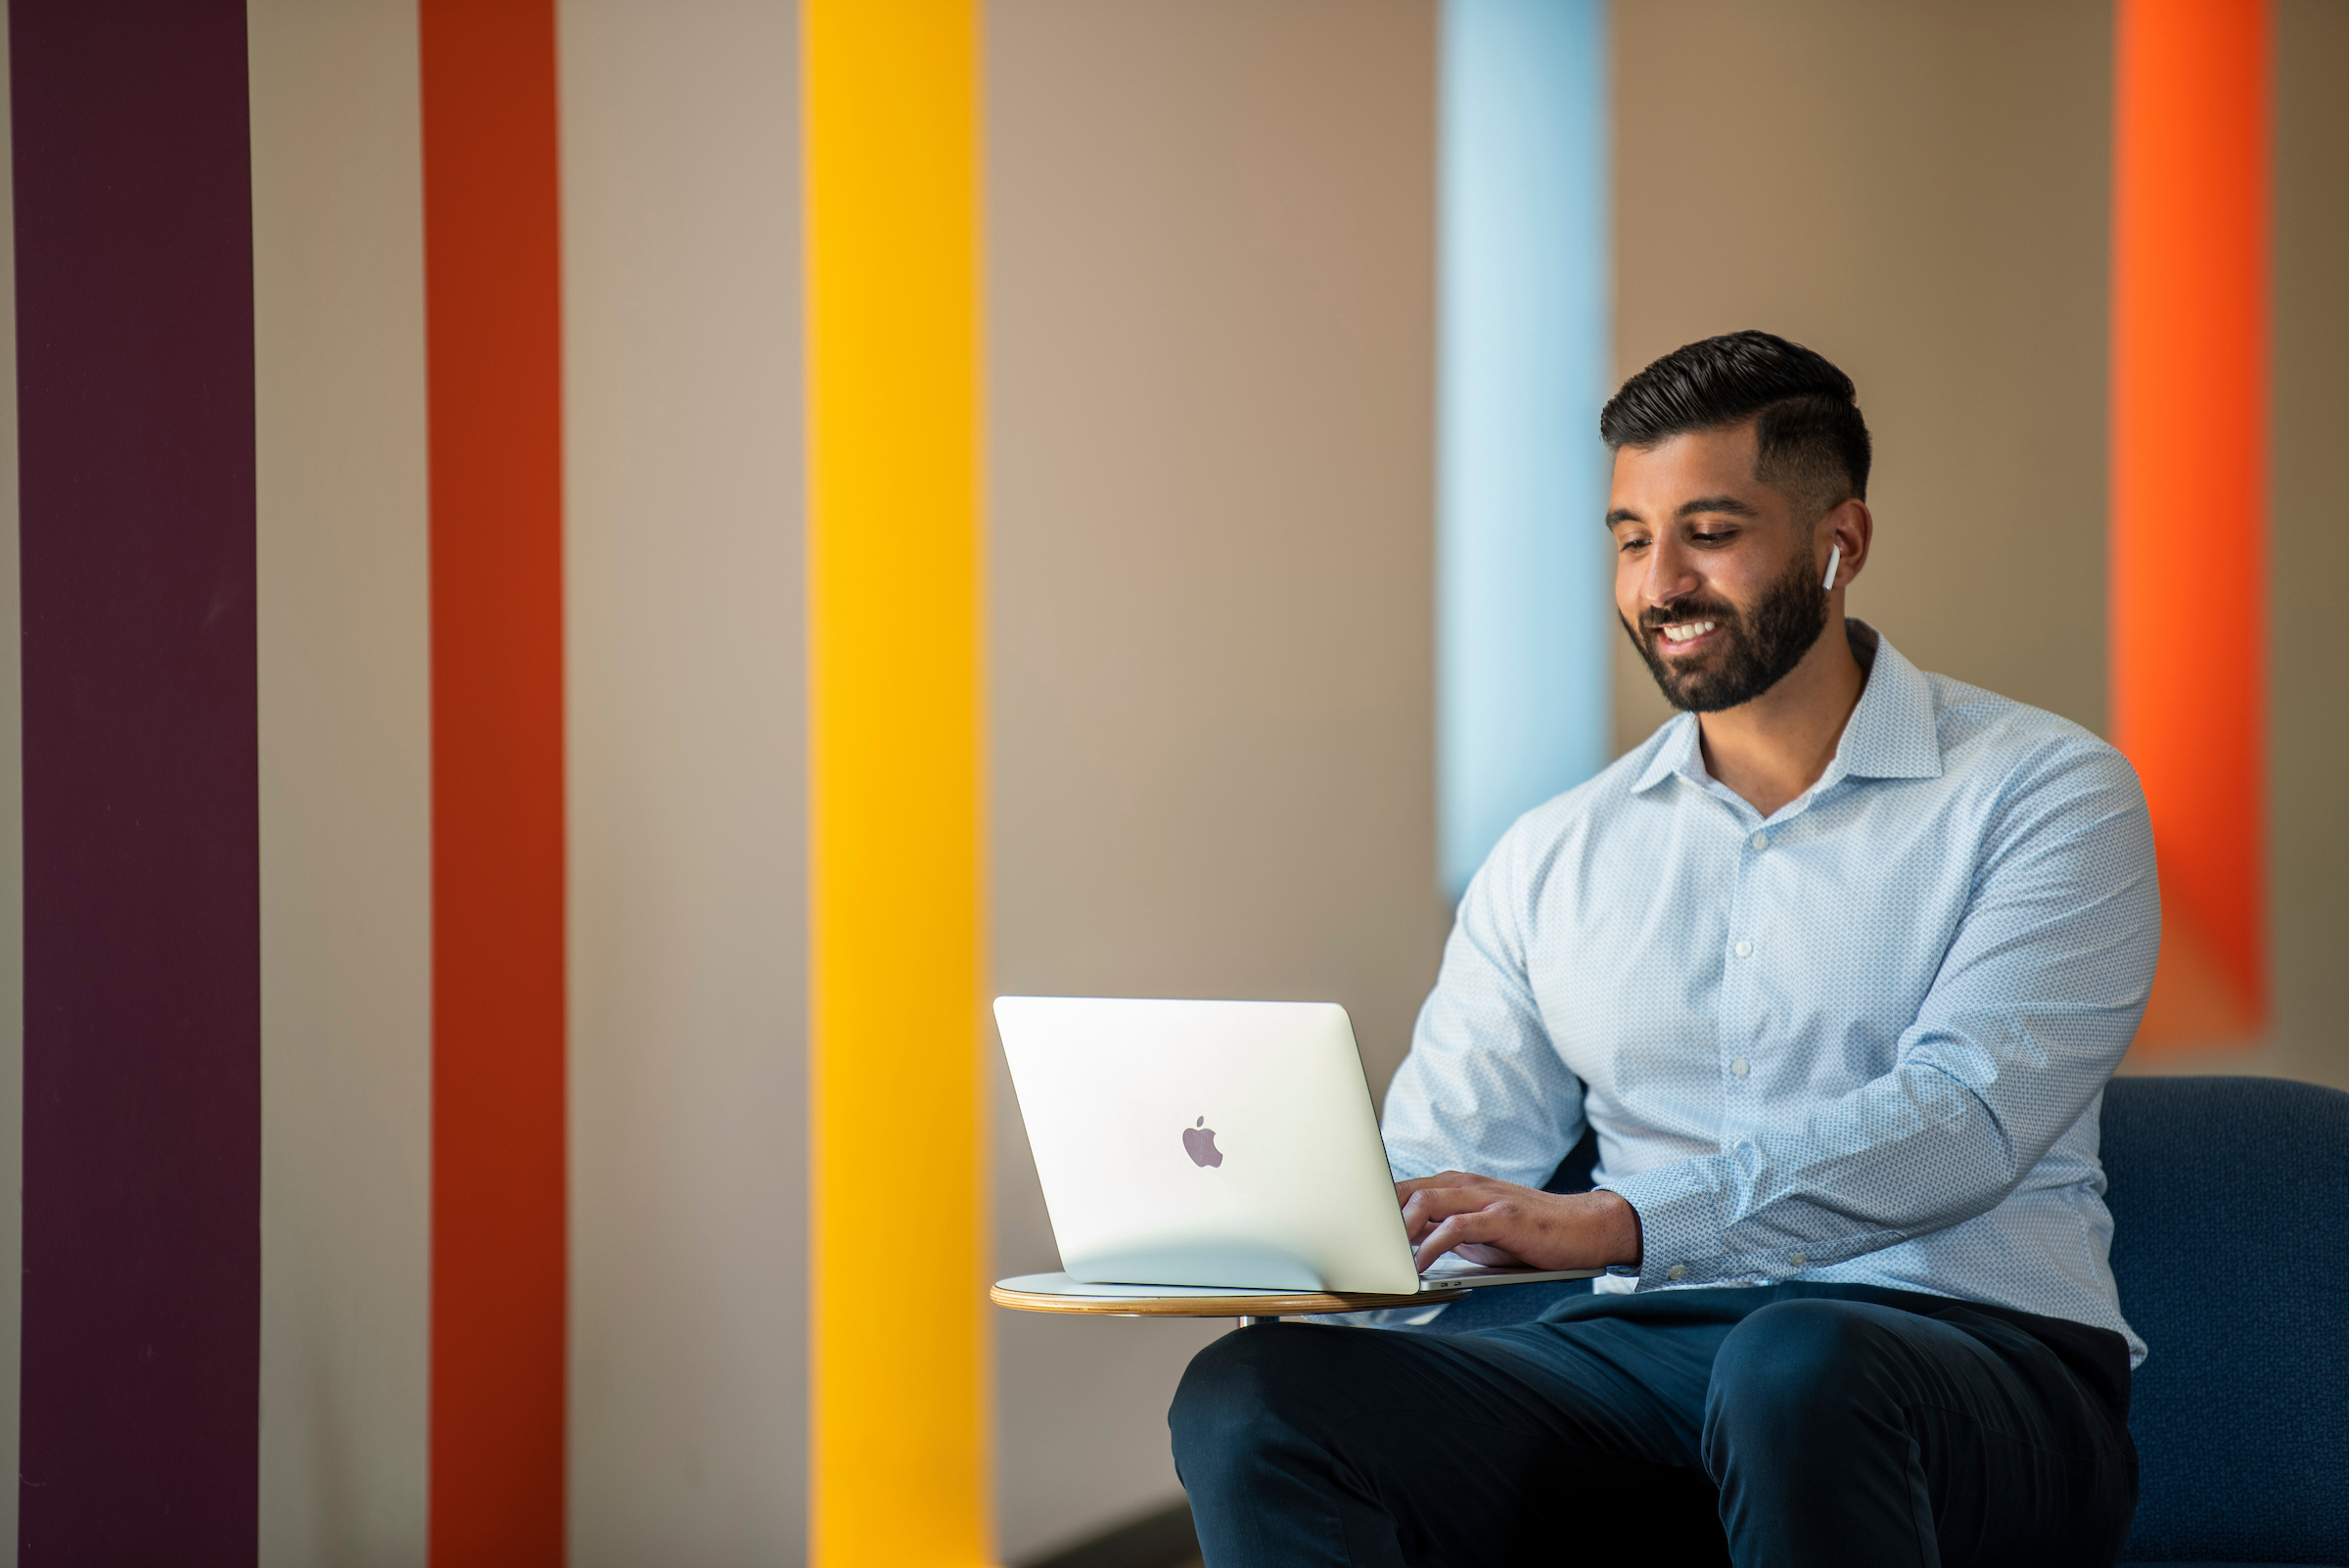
point(142, 952)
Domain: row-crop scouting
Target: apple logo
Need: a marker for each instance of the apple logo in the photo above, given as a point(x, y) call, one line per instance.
point(1199, 1142)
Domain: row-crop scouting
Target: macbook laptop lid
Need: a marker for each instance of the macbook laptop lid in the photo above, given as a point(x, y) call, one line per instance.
point(1212, 1144)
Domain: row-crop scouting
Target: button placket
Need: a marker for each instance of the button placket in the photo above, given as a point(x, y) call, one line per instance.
point(1761, 847)
point(1740, 983)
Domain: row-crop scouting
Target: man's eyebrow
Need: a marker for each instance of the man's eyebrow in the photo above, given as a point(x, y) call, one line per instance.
point(1622, 514)
point(1714, 503)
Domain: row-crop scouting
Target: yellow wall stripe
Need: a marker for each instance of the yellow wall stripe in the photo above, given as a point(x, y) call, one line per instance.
point(891, 99)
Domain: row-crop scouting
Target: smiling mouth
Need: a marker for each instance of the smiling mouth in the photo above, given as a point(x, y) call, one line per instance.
point(1680, 633)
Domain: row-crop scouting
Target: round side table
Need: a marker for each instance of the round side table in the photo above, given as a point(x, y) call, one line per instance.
point(1058, 1293)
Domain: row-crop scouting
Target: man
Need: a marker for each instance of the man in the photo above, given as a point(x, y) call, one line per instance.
point(1836, 965)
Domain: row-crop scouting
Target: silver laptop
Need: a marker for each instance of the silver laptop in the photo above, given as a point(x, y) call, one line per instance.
point(1214, 1143)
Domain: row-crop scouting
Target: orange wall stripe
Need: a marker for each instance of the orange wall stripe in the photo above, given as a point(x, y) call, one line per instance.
point(2189, 490)
point(492, 313)
point(898, 1399)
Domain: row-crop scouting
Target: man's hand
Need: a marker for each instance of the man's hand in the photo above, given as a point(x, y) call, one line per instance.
point(1502, 1223)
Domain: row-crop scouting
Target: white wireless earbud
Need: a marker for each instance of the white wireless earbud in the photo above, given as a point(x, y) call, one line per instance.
point(1834, 560)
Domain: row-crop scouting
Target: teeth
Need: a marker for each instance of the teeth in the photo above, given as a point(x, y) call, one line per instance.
point(1687, 630)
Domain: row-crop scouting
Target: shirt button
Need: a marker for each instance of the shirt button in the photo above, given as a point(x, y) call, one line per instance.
point(1676, 1271)
point(1745, 949)
point(1738, 1066)
point(1798, 1260)
point(1759, 841)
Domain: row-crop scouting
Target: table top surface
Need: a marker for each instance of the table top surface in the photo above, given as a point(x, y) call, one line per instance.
point(1058, 1293)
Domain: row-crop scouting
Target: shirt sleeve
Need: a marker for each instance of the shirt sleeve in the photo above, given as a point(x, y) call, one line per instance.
point(1483, 1089)
point(2037, 998)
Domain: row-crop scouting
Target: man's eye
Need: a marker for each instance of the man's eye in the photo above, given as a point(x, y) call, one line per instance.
point(1629, 546)
point(1722, 536)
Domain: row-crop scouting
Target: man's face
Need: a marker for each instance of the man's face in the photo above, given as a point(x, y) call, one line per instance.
point(1715, 579)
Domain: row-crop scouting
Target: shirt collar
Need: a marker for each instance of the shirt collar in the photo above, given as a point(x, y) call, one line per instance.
point(1894, 732)
point(1677, 752)
point(1891, 734)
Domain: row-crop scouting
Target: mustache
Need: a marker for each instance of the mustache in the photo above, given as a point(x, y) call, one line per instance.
point(1654, 620)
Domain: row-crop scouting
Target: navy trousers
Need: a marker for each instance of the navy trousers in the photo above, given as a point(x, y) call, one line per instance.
point(1811, 1425)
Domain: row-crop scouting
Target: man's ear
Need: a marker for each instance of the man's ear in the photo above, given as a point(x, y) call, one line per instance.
point(1844, 532)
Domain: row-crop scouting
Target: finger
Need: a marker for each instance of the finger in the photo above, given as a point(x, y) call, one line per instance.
point(1486, 1187)
point(1442, 1179)
point(1476, 1252)
point(1432, 1199)
point(1433, 1206)
point(1490, 1228)
point(1484, 1230)
point(1404, 1190)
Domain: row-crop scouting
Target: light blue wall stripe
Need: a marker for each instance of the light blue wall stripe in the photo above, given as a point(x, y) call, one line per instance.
point(1523, 606)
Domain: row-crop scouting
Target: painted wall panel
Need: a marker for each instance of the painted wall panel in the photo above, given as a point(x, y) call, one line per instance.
point(1525, 634)
point(346, 787)
point(685, 741)
point(892, 226)
point(2308, 541)
point(2193, 101)
point(142, 940)
point(1920, 194)
point(12, 877)
point(1210, 302)
point(494, 328)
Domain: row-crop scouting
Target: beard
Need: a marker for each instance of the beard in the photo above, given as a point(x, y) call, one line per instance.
point(1756, 652)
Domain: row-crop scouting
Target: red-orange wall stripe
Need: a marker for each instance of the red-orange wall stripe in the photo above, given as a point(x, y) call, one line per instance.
point(493, 335)
point(2189, 489)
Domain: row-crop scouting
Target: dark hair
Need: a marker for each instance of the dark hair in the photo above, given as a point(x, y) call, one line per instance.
point(1810, 441)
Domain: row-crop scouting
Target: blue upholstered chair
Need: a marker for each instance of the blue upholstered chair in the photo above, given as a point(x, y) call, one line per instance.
point(2231, 1241)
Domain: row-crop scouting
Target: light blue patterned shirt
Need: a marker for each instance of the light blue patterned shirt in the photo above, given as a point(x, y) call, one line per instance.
point(1864, 1040)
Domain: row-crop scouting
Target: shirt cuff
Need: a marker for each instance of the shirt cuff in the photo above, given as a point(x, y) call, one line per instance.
point(1680, 1225)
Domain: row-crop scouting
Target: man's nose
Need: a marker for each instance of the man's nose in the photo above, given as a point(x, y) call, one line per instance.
point(1671, 574)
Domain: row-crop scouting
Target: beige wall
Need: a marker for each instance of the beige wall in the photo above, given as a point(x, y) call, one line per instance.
point(344, 793)
point(684, 708)
point(686, 778)
point(1211, 300)
point(1917, 191)
point(1211, 312)
point(1929, 208)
